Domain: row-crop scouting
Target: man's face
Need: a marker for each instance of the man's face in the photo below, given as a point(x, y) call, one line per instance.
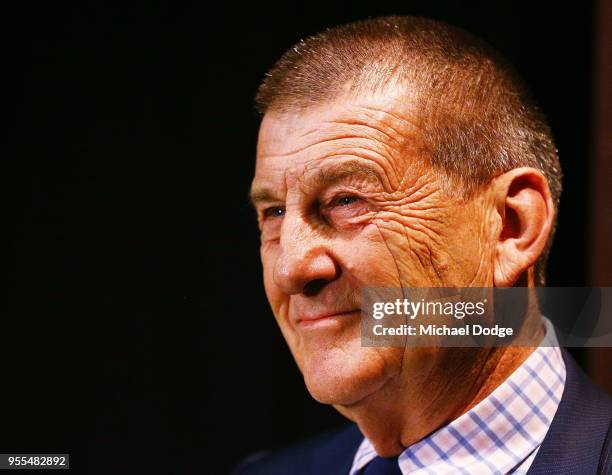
point(346, 200)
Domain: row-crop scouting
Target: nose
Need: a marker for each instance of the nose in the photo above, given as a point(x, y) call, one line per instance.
point(304, 265)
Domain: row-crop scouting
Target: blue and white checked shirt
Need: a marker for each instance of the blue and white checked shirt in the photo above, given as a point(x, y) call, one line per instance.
point(502, 433)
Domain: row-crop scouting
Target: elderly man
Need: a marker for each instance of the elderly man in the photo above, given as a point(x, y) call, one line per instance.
point(403, 152)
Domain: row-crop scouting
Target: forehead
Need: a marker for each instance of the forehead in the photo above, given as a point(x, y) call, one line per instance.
point(376, 129)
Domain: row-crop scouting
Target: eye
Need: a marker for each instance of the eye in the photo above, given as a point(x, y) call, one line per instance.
point(342, 208)
point(274, 212)
point(346, 200)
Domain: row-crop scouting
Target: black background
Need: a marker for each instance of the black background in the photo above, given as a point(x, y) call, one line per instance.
point(137, 335)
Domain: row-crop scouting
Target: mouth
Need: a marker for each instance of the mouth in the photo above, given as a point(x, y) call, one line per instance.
point(322, 320)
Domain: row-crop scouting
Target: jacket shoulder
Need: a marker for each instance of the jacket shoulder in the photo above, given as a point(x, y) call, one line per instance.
point(578, 438)
point(329, 453)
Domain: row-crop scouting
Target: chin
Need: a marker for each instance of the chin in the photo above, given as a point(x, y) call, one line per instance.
point(340, 377)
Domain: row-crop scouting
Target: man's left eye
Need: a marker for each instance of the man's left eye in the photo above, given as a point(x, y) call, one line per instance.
point(347, 200)
point(344, 207)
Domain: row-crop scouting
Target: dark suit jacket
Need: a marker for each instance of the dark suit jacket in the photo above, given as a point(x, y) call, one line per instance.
point(579, 440)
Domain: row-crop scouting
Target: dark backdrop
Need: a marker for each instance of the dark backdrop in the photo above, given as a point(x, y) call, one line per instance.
point(137, 336)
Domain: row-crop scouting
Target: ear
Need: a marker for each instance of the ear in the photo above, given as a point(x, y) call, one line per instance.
point(527, 213)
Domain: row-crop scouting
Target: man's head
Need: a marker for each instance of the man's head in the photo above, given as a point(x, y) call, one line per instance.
point(394, 152)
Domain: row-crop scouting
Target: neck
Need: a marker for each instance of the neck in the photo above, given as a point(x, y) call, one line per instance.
point(436, 386)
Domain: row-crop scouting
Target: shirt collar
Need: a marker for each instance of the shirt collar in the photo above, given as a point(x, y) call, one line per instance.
point(498, 435)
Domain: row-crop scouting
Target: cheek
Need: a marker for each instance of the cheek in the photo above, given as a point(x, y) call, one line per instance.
point(416, 240)
point(412, 248)
point(441, 246)
point(367, 260)
point(470, 248)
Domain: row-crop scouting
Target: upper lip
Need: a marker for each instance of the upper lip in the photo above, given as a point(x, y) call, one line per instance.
point(309, 317)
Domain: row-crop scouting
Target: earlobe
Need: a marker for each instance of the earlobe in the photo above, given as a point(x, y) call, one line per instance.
point(527, 215)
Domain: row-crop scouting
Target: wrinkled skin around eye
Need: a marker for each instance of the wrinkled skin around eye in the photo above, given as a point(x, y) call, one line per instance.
point(401, 229)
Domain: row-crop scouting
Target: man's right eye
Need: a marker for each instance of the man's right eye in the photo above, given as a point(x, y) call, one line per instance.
point(274, 212)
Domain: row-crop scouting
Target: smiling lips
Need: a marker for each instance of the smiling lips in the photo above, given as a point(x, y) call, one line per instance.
point(320, 318)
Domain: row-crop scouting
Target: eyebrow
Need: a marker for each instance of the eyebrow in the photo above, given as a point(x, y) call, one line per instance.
point(321, 178)
point(335, 173)
point(262, 195)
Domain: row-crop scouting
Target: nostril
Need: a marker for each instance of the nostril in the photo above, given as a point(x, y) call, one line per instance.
point(314, 287)
point(304, 270)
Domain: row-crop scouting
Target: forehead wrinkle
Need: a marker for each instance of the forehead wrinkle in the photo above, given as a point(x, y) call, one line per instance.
point(359, 152)
point(380, 149)
point(385, 136)
point(392, 119)
point(365, 125)
point(318, 177)
point(379, 164)
point(355, 111)
point(338, 136)
point(361, 146)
